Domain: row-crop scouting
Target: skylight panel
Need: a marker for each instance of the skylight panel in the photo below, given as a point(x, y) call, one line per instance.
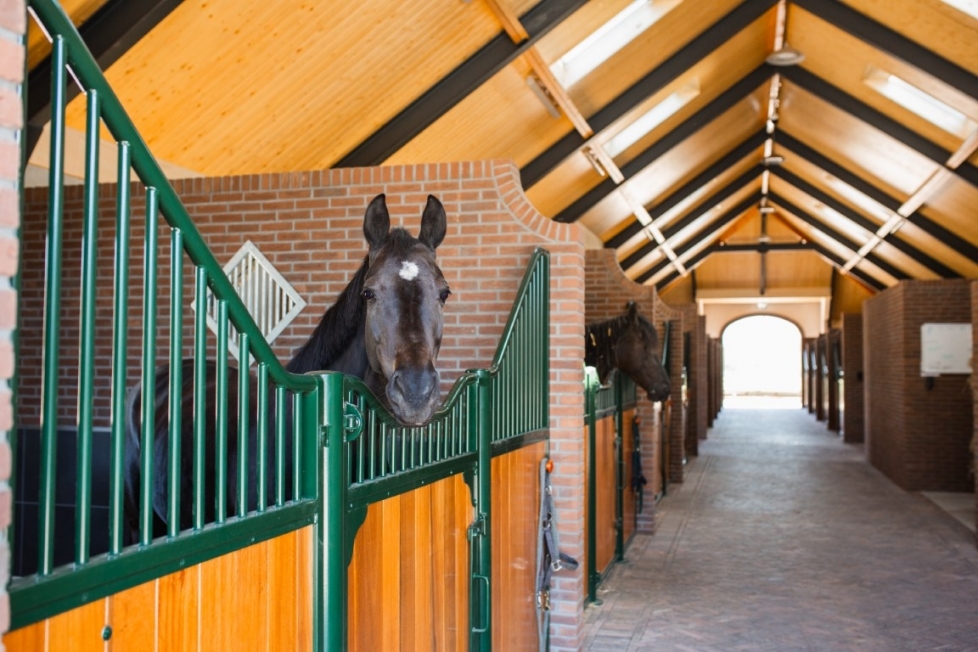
point(608, 39)
point(917, 101)
point(651, 119)
point(969, 7)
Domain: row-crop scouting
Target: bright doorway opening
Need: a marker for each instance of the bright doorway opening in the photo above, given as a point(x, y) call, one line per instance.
point(762, 363)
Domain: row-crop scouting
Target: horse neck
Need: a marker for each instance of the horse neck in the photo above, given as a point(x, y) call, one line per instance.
point(336, 344)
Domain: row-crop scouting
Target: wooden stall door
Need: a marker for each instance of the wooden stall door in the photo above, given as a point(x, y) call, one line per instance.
point(515, 514)
point(629, 500)
point(606, 484)
point(258, 598)
point(409, 577)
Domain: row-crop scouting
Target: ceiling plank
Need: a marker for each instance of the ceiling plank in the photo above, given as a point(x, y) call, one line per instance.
point(838, 237)
point(697, 212)
point(458, 84)
point(691, 125)
point(721, 31)
point(109, 33)
point(711, 230)
point(938, 232)
point(865, 28)
point(871, 116)
point(931, 263)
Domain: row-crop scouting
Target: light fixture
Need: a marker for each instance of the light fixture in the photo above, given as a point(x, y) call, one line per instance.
point(919, 102)
point(608, 39)
point(774, 160)
point(595, 162)
point(761, 305)
point(786, 56)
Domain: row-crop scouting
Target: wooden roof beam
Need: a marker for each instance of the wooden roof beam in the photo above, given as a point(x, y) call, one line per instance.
point(866, 29)
point(927, 261)
point(938, 232)
point(457, 85)
point(714, 36)
point(689, 126)
point(659, 209)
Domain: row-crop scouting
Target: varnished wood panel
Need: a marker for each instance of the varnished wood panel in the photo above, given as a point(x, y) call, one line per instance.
point(409, 573)
point(830, 52)
point(605, 483)
point(515, 513)
point(864, 150)
point(629, 501)
point(258, 598)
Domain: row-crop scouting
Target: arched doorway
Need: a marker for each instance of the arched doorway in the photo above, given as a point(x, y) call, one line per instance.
point(762, 362)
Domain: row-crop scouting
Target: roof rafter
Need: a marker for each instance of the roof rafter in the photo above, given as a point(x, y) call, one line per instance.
point(714, 36)
point(871, 116)
point(711, 230)
point(831, 233)
point(689, 126)
point(707, 204)
point(865, 28)
point(935, 230)
point(934, 265)
point(457, 85)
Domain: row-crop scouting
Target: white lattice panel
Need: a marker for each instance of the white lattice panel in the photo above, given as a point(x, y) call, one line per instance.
point(269, 298)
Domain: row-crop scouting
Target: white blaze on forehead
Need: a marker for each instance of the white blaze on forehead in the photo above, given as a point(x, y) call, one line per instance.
point(409, 270)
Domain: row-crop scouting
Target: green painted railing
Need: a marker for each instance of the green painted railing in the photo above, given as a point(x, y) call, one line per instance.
point(53, 590)
point(601, 401)
point(348, 450)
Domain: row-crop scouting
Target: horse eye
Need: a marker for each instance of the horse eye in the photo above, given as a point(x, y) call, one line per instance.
point(444, 294)
point(368, 294)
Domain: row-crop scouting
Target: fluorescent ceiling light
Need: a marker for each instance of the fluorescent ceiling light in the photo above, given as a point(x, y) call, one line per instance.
point(917, 101)
point(608, 39)
point(651, 119)
point(969, 7)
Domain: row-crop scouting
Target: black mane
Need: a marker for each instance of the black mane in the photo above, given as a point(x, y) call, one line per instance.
point(342, 321)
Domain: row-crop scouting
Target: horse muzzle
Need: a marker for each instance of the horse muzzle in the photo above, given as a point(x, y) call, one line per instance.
point(659, 392)
point(413, 394)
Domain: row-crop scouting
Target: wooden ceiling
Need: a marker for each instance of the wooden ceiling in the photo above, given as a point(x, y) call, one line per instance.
point(857, 192)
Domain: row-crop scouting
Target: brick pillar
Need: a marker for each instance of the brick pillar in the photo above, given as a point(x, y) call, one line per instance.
point(13, 21)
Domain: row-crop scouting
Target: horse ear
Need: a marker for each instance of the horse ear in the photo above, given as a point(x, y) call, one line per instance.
point(632, 310)
point(376, 222)
point(433, 223)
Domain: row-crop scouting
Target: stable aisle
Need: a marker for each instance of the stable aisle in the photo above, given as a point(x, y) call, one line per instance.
point(783, 538)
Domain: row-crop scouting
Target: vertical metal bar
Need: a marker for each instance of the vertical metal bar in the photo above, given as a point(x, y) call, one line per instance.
point(261, 455)
point(298, 433)
point(120, 317)
point(86, 338)
point(148, 405)
point(332, 528)
point(200, 395)
point(244, 400)
point(52, 316)
point(592, 537)
point(482, 544)
point(176, 380)
point(280, 414)
point(221, 416)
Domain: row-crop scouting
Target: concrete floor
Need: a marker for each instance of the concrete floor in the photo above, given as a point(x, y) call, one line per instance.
point(784, 539)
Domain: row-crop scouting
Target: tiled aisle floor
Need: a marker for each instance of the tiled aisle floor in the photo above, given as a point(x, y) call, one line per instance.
point(783, 538)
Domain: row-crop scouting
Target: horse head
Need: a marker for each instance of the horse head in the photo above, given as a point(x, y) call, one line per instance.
point(404, 294)
point(637, 355)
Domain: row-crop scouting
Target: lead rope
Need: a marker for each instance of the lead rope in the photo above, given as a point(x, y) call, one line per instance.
point(549, 557)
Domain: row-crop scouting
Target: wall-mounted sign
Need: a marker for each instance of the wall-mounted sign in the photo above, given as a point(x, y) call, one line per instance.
point(945, 349)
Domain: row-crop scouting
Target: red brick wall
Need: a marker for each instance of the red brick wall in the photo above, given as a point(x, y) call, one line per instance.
point(917, 436)
point(13, 21)
point(608, 291)
point(309, 225)
point(852, 363)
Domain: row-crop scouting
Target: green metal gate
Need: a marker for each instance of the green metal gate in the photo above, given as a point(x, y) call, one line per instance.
point(348, 451)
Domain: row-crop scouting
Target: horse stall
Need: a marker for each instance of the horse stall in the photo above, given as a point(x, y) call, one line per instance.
point(833, 380)
point(714, 365)
point(821, 377)
point(357, 532)
point(696, 382)
point(853, 416)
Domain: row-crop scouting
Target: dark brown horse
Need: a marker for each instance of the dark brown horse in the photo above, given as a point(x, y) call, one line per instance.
point(385, 327)
point(629, 343)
